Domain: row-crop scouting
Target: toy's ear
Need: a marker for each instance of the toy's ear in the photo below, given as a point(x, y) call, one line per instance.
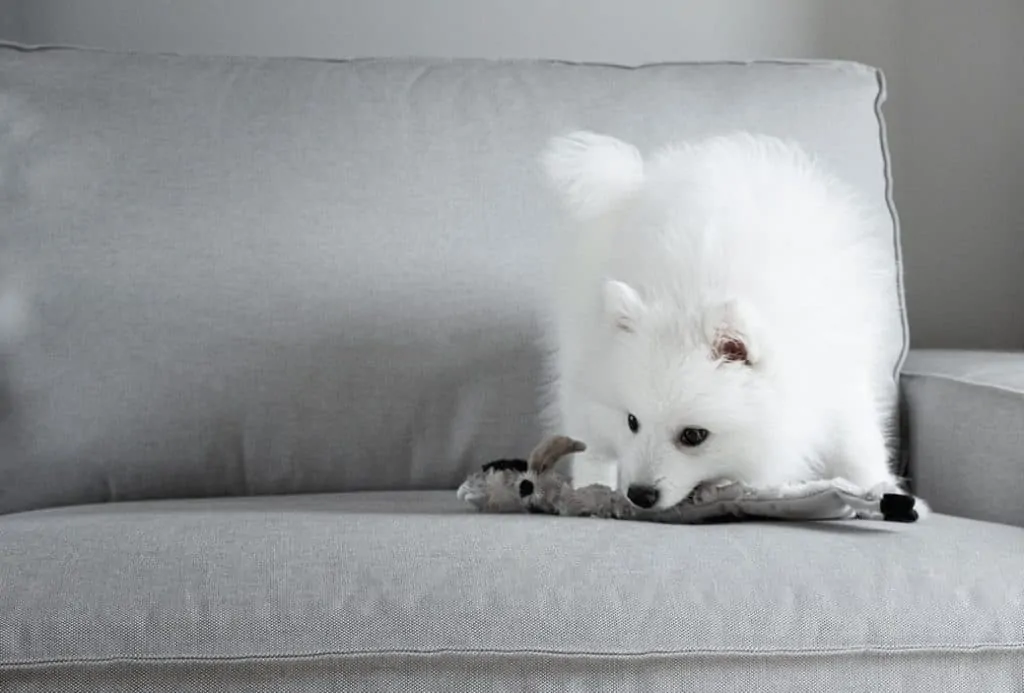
point(592, 173)
point(623, 306)
point(730, 330)
point(552, 449)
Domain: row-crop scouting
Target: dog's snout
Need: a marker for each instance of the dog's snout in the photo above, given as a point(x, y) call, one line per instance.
point(642, 496)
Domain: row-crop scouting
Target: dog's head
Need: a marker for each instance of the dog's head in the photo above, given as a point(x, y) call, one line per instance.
point(687, 404)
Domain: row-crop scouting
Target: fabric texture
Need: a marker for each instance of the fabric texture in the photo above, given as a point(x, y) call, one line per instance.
point(404, 590)
point(983, 671)
point(964, 415)
point(234, 276)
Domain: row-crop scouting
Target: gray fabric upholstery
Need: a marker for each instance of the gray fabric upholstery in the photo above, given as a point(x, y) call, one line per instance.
point(246, 276)
point(983, 671)
point(405, 589)
point(964, 414)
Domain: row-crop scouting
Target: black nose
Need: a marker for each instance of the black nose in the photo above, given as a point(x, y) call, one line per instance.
point(642, 496)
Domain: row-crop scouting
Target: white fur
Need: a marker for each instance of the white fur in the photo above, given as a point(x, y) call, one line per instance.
point(739, 237)
point(594, 173)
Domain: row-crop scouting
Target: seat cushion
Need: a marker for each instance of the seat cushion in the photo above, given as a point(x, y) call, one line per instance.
point(964, 419)
point(400, 591)
point(234, 276)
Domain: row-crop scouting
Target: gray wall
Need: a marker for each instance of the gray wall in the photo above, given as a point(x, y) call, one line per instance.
point(955, 69)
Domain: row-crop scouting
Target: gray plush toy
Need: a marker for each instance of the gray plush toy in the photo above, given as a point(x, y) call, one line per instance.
point(534, 486)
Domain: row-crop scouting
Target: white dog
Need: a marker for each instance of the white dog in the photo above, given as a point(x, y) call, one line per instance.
point(716, 315)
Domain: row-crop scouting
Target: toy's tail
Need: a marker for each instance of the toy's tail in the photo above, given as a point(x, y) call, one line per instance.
point(552, 449)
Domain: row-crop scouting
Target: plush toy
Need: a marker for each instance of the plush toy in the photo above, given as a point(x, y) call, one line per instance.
point(534, 486)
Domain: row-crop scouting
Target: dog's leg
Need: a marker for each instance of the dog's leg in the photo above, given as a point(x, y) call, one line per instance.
point(589, 469)
point(580, 419)
point(596, 464)
point(862, 457)
point(860, 454)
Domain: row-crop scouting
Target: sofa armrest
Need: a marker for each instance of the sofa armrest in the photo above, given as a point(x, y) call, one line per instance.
point(963, 416)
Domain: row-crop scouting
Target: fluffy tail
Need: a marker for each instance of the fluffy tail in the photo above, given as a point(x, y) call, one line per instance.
point(592, 173)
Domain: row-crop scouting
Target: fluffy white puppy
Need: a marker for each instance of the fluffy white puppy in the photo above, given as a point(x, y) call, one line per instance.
point(717, 313)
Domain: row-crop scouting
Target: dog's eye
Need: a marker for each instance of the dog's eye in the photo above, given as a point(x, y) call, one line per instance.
point(692, 437)
point(634, 425)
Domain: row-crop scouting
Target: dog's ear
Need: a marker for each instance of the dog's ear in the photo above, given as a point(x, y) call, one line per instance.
point(592, 173)
point(730, 330)
point(731, 348)
point(622, 305)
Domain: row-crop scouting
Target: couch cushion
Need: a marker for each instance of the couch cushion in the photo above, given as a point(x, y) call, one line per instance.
point(243, 276)
point(965, 431)
point(403, 589)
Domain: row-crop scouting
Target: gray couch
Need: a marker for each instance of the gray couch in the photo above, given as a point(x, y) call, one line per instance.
point(278, 309)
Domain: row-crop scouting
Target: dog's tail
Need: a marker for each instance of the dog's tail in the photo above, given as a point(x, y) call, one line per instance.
point(592, 173)
point(594, 176)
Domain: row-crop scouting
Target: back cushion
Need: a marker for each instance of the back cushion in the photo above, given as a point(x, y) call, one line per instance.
point(225, 276)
